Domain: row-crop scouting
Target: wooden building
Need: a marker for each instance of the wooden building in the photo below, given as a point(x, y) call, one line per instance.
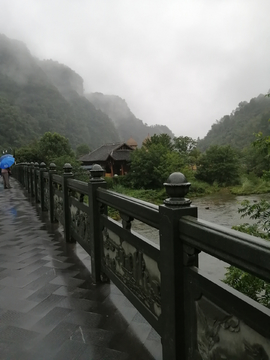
point(114, 158)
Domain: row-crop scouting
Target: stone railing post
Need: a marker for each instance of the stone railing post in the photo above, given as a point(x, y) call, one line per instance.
point(95, 182)
point(172, 267)
point(28, 177)
point(42, 168)
point(25, 170)
point(67, 175)
point(51, 199)
point(21, 174)
point(36, 169)
point(31, 179)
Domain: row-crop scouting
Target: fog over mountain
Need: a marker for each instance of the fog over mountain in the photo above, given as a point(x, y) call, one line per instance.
point(180, 63)
point(43, 95)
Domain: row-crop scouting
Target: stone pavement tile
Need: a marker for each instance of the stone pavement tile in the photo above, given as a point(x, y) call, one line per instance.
point(71, 350)
point(155, 348)
point(18, 282)
point(10, 292)
point(15, 303)
point(121, 317)
point(58, 265)
point(84, 318)
point(15, 335)
point(65, 290)
point(46, 305)
point(33, 259)
point(42, 280)
point(81, 304)
point(50, 302)
point(66, 281)
point(18, 319)
point(8, 351)
point(43, 292)
point(54, 339)
point(48, 322)
point(98, 337)
point(98, 353)
point(36, 268)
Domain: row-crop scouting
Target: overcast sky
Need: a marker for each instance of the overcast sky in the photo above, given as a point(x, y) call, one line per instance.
point(182, 63)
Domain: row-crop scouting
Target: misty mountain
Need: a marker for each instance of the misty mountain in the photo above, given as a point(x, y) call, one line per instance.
point(124, 120)
point(39, 96)
point(238, 128)
point(66, 80)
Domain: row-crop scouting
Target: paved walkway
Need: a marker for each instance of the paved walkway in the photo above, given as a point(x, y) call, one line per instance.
point(49, 307)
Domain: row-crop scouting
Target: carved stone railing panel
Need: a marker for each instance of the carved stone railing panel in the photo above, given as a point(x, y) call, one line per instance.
point(135, 269)
point(38, 186)
point(80, 223)
point(46, 194)
point(58, 202)
point(223, 336)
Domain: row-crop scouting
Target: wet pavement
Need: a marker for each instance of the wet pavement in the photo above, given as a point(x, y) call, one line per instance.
point(49, 306)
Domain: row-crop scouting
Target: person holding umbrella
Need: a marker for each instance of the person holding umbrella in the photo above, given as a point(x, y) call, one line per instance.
point(5, 162)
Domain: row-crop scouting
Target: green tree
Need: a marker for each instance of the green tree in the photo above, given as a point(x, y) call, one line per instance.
point(53, 145)
point(219, 164)
point(184, 144)
point(248, 284)
point(49, 148)
point(150, 167)
point(82, 149)
point(187, 148)
point(162, 139)
point(29, 153)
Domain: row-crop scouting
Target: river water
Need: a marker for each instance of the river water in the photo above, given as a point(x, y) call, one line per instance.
point(221, 209)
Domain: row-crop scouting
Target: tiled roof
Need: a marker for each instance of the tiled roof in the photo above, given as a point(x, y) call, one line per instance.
point(102, 153)
point(132, 142)
point(121, 155)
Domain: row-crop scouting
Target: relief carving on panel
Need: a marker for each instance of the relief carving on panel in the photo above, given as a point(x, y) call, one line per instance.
point(135, 269)
point(58, 207)
point(80, 223)
point(224, 336)
point(46, 193)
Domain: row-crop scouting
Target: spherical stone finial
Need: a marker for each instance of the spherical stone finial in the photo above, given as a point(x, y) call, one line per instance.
point(96, 173)
point(177, 187)
point(67, 169)
point(42, 165)
point(52, 167)
point(36, 165)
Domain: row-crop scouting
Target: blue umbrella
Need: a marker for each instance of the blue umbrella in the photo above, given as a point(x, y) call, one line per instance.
point(4, 156)
point(6, 162)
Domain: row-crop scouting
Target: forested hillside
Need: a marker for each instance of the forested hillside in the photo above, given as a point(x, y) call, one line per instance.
point(39, 96)
point(125, 121)
point(238, 128)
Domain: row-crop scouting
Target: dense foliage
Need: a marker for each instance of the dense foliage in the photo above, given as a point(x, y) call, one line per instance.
point(32, 101)
point(41, 96)
point(237, 129)
point(48, 148)
point(219, 164)
point(156, 160)
point(248, 284)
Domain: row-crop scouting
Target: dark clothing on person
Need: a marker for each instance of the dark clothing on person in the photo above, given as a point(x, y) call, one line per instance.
point(5, 173)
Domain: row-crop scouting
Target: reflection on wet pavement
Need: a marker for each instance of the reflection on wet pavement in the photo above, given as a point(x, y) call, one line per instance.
point(49, 306)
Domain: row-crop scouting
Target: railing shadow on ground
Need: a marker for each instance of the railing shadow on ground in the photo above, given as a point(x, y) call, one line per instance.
point(197, 317)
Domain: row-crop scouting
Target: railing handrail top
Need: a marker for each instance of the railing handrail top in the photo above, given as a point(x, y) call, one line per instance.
point(129, 198)
point(238, 235)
